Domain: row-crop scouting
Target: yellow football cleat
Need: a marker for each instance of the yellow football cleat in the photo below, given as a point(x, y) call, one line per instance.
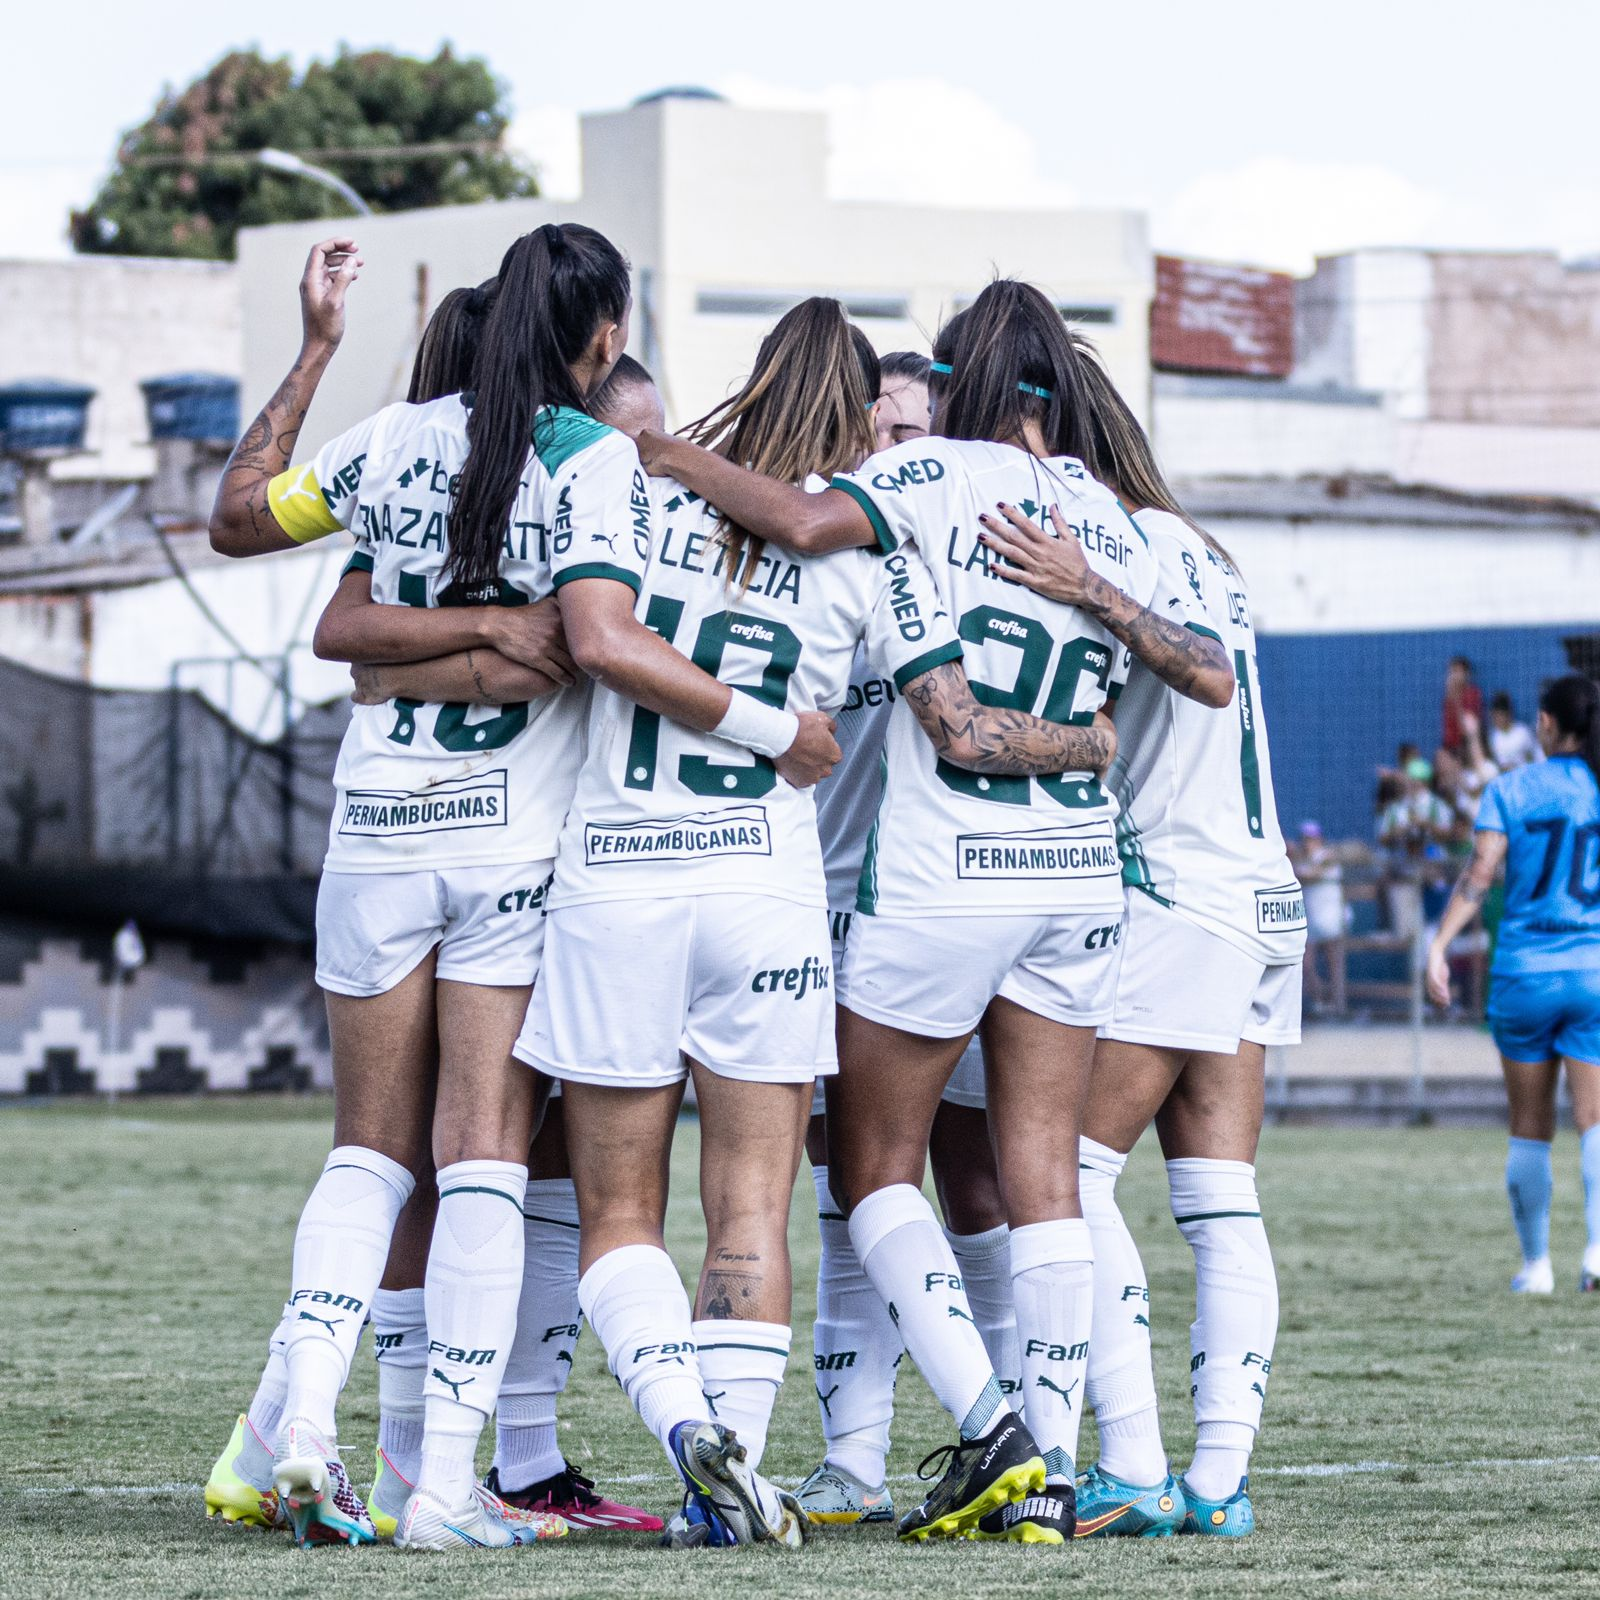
point(228, 1495)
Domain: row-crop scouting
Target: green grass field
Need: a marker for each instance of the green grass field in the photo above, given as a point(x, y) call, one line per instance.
point(145, 1250)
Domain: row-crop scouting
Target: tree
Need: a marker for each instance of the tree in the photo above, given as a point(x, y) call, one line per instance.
point(185, 181)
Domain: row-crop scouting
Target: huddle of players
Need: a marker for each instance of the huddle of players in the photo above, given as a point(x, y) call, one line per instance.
point(589, 803)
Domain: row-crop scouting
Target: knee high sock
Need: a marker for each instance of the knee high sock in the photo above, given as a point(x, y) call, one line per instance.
point(1528, 1184)
point(265, 1414)
point(1589, 1152)
point(1236, 1315)
point(340, 1248)
point(855, 1350)
point(908, 1259)
point(1120, 1382)
point(400, 1340)
point(525, 1447)
point(741, 1368)
point(474, 1280)
point(634, 1300)
point(1052, 1281)
point(985, 1263)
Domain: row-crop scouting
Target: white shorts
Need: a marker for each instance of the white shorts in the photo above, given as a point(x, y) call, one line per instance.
point(1182, 988)
point(741, 983)
point(935, 976)
point(374, 927)
point(966, 1086)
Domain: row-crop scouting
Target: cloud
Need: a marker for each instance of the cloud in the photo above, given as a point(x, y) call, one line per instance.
point(34, 204)
point(920, 141)
point(1280, 213)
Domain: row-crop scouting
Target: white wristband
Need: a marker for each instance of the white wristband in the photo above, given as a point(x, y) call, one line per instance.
point(768, 730)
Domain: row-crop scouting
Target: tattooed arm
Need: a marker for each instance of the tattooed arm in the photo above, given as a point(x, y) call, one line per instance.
point(1476, 880)
point(1194, 665)
point(242, 523)
point(987, 739)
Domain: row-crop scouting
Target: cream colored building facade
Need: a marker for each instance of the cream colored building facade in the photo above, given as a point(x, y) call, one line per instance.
point(724, 213)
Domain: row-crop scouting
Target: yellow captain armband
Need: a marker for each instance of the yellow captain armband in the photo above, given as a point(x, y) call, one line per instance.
point(299, 506)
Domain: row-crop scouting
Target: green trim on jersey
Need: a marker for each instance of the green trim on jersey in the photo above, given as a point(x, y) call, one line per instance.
point(867, 886)
point(597, 569)
point(880, 528)
point(560, 433)
point(1205, 633)
point(359, 561)
point(940, 655)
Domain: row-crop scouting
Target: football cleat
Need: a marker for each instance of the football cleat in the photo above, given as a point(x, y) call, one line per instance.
point(323, 1505)
point(571, 1496)
point(1108, 1508)
point(1035, 1519)
point(713, 1466)
point(980, 1476)
point(484, 1522)
point(232, 1497)
point(390, 1491)
point(1536, 1277)
point(832, 1496)
point(1232, 1518)
point(696, 1527)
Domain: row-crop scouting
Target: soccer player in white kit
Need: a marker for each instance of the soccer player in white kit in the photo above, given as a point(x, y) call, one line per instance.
point(687, 925)
point(982, 900)
point(1211, 974)
point(442, 841)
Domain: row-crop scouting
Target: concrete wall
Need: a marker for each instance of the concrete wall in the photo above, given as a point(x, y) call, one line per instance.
point(1500, 458)
point(110, 322)
point(703, 197)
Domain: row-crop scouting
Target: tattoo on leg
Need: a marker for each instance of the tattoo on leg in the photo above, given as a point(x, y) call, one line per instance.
point(728, 1294)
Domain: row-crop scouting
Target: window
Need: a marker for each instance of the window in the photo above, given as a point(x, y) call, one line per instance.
point(774, 303)
point(1099, 316)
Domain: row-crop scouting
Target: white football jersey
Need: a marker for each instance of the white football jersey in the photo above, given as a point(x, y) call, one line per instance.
point(950, 841)
point(1199, 830)
point(459, 785)
point(664, 810)
point(848, 802)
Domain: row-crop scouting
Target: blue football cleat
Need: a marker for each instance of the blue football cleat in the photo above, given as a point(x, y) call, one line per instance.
point(1232, 1518)
point(1108, 1508)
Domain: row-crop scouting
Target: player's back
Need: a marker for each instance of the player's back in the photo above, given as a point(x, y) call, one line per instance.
point(1200, 824)
point(663, 809)
point(1550, 814)
point(943, 837)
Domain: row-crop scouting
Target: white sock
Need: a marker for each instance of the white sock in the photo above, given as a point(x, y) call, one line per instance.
point(1236, 1315)
point(855, 1350)
point(525, 1447)
point(741, 1370)
point(1120, 1382)
point(265, 1414)
point(985, 1263)
point(910, 1264)
point(474, 1278)
point(634, 1300)
point(1052, 1281)
point(400, 1339)
point(340, 1248)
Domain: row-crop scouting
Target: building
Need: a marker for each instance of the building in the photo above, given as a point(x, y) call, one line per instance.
point(724, 213)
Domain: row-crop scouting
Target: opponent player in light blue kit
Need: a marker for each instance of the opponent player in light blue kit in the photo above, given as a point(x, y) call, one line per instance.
point(1543, 823)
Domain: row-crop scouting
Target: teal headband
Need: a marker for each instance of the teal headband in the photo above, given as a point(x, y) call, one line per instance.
point(1026, 388)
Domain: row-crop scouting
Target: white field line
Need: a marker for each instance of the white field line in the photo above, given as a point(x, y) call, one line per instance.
point(1323, 1469)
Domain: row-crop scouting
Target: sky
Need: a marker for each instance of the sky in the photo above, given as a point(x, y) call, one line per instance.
point(1265, 131)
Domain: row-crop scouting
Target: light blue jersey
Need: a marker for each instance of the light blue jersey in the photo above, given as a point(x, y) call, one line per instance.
point(1550, 814)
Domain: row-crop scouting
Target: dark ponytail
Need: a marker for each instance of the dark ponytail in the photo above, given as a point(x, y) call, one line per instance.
point(449, 346)
point(1573, 704)
point(558, 284)
point(1010, 361)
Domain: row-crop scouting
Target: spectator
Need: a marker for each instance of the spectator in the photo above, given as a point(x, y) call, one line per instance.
point(1412, 818)
point(1321, 874)
point(1461, 696)
point(1511, 743)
